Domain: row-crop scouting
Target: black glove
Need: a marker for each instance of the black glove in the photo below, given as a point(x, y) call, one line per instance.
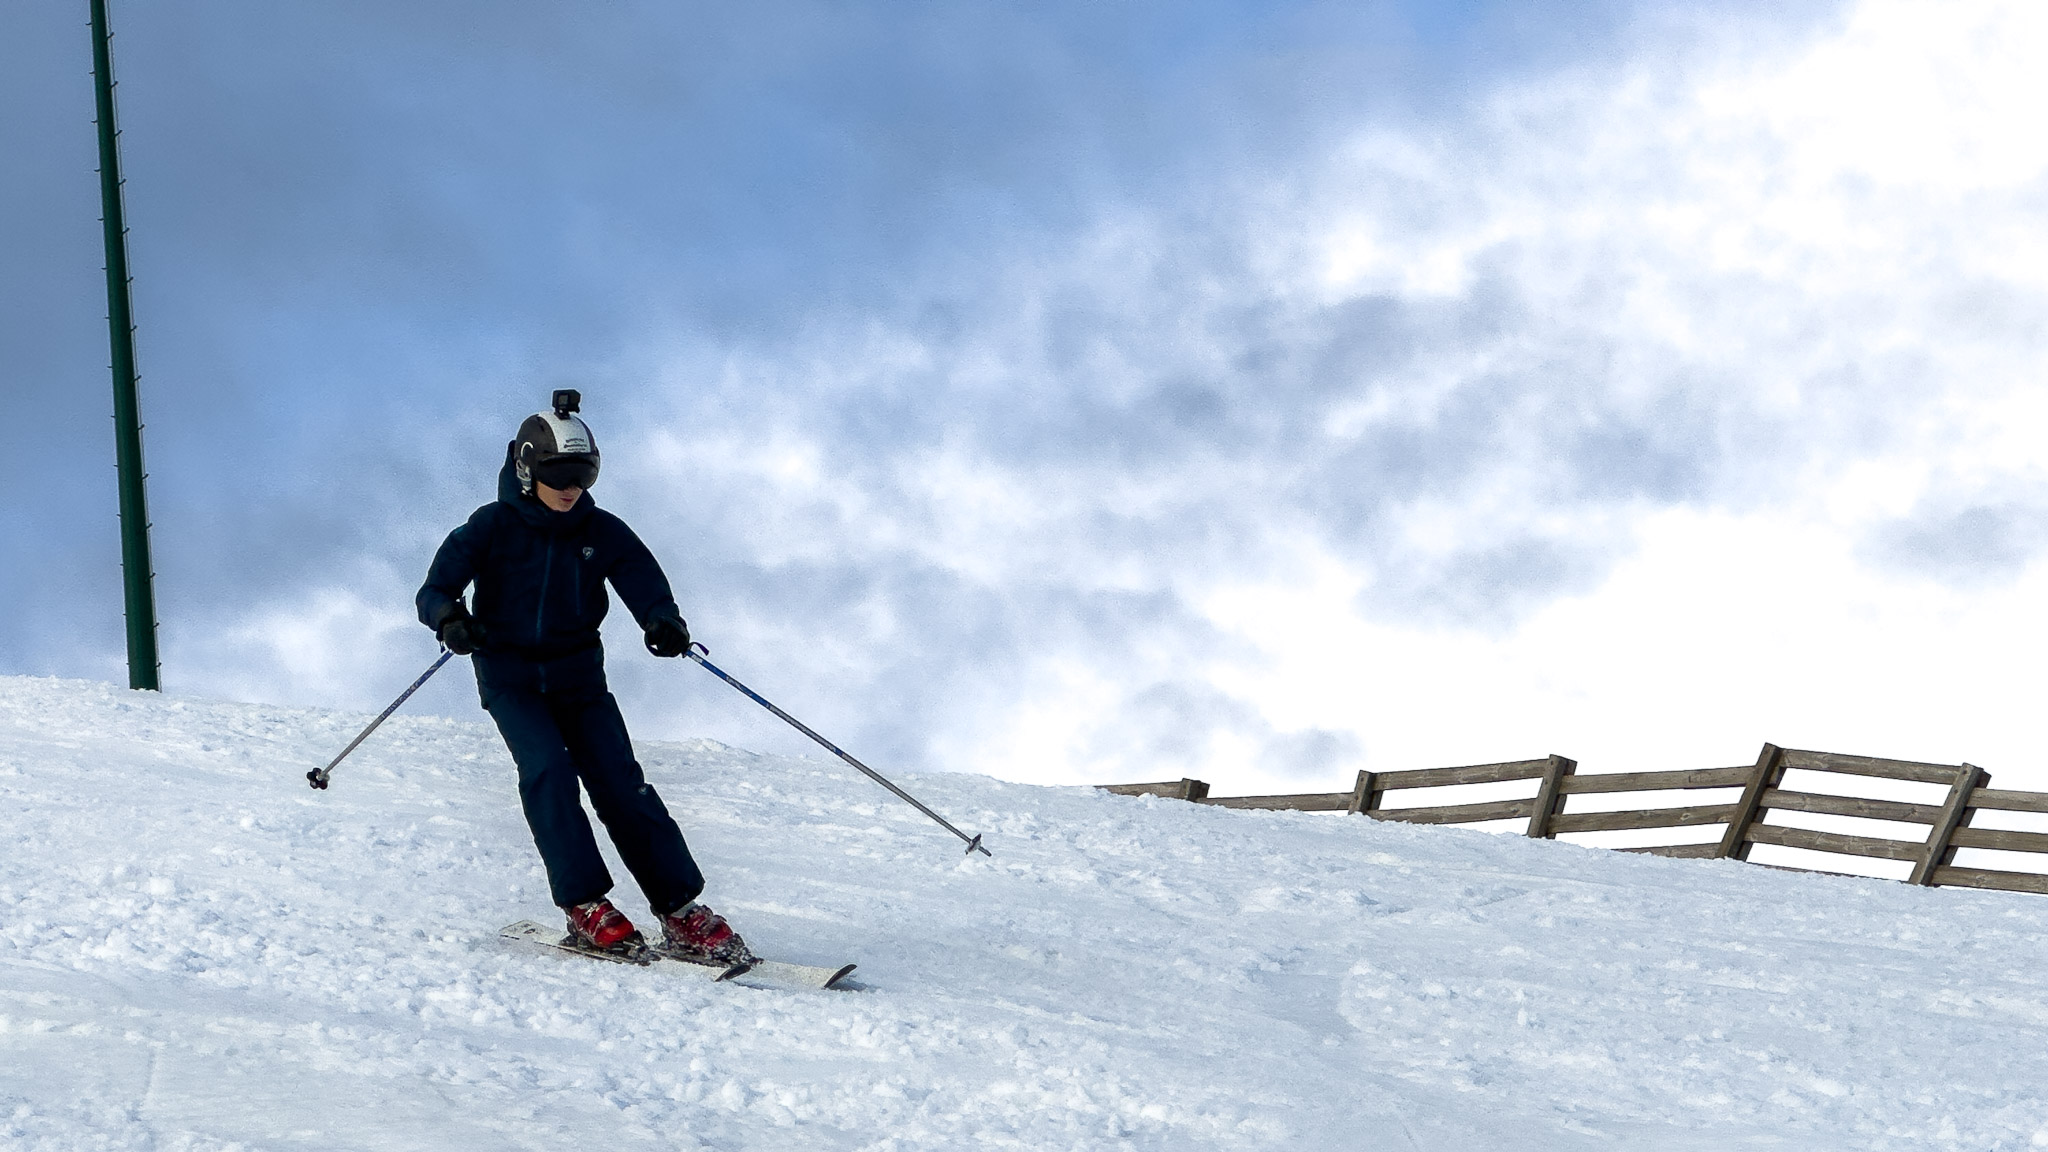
point(460, 632)
point(668, 636)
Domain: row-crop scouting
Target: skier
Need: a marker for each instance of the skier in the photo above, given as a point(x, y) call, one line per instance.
point(539, 557)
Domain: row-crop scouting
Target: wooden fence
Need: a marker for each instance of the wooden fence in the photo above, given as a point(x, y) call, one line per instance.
point(1743, 820)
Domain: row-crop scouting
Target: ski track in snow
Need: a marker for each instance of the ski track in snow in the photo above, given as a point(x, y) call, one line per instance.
point(199, 952)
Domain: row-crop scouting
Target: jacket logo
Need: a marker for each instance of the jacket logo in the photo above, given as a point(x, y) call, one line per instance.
point(588, 552)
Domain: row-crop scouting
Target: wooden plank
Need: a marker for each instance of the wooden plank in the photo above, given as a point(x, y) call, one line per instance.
point(1299, 802)
point(1836, 842)
point(2000, 839)
point(1458, 813)
point(1182, 789)
point(1363, 794)
point(1705, 851)
point(1169, 788)
point(1764, 775)
point(1734, 777)
point(1870, 766)
point(1815, 871)
point(1469, 774)
point(1951, 876)
point(1544, 809)
point(1850, 806)
point(2004, 800)
point(1642, 818)
point(1953, 810)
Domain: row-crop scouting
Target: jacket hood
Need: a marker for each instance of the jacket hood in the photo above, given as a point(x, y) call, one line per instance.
point(530, 508)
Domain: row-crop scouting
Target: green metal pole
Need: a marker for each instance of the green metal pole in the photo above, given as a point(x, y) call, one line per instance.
point(135, 570)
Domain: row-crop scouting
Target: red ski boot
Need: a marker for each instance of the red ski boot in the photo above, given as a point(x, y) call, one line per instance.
point(599, 925)
point(699, 935)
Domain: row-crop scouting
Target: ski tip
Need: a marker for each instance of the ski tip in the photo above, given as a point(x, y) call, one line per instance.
point(738, 969)
point(833, 980)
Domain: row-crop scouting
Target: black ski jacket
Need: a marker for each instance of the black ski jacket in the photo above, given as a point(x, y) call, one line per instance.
point(540, 577)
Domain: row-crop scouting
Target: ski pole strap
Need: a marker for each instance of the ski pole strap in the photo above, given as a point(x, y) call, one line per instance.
point(698, 652)
point(318, 777)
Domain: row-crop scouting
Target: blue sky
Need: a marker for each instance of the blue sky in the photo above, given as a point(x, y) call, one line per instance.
point(1247, 391)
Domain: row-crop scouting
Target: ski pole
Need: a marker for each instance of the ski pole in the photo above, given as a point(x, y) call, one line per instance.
point(698, 652)
point(318, 776)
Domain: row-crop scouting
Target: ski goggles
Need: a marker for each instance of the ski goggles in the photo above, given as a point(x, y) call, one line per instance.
point(560, 472)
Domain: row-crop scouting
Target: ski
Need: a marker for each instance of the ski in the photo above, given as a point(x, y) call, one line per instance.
point(529, 934)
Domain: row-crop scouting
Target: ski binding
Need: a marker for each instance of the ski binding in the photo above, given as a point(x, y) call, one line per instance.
point(527, 933)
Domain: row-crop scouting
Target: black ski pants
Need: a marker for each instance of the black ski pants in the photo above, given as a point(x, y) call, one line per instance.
point(561, 737)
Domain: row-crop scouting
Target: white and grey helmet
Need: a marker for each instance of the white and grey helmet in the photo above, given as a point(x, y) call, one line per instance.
point(556, 448)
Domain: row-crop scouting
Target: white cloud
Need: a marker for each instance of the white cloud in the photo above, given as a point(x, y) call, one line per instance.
point(301, 645)
point(1840, 252)
point(1566, 427)
point(1641, 411)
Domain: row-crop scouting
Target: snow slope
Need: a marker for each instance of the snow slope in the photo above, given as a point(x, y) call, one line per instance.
point(199, 952)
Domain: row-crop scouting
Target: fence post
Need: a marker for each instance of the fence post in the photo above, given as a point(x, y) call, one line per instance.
point(1547, 796)
point(1733, 842)
point(1953, 812)
point(1948, 854)
point(1362, 798)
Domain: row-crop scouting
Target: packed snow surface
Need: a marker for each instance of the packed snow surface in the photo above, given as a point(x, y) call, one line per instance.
point(199, 952)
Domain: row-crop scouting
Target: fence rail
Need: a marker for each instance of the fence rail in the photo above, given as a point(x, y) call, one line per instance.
point(1743, 820)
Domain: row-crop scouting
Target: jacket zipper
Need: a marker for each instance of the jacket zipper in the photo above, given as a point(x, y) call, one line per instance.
point(547, 567)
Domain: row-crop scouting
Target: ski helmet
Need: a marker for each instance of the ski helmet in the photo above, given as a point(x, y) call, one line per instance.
point(556, 448)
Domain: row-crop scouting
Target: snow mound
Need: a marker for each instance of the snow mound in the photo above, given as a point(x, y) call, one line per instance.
point(199, 952)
